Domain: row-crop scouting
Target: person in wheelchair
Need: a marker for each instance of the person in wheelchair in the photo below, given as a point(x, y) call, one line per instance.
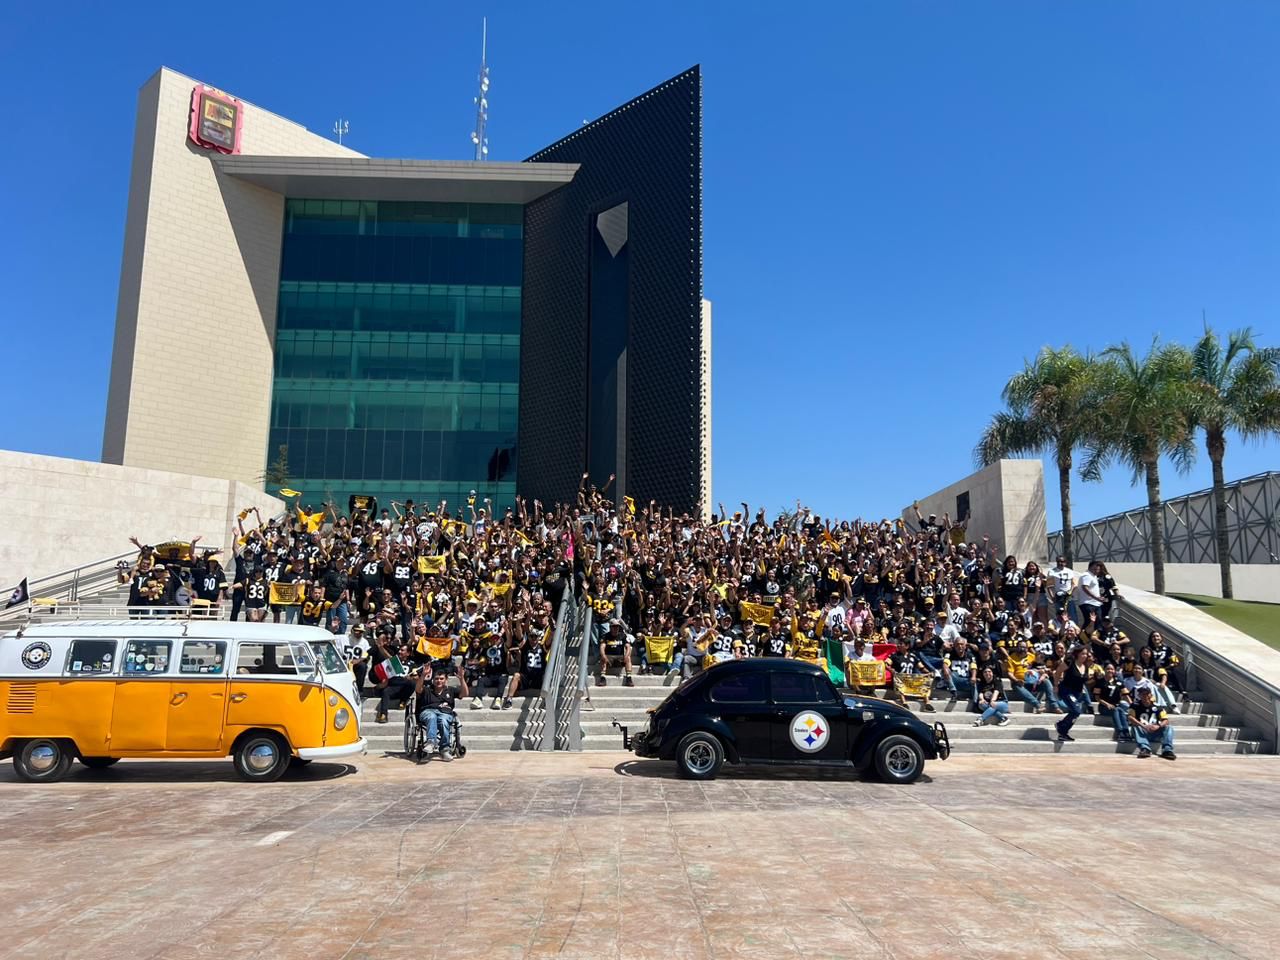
point(435, 702)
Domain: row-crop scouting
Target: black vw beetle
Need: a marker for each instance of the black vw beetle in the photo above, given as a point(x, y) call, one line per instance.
point(771, 710)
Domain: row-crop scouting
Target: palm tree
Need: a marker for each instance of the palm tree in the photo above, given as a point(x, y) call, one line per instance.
point(1235, 388)
point(1052, 408)
point(1146, 412)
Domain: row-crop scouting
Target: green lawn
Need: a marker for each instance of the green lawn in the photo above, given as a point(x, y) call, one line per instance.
point(1259, 620)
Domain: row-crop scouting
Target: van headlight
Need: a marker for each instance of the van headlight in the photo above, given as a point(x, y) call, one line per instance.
point(341, 719)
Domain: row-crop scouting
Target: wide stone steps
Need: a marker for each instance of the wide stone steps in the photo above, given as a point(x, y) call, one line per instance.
point(1201, 728)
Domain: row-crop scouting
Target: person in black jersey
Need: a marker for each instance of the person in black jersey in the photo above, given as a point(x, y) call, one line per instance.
point(255, 596)
point(1109, 691)
point(1150, 724)
point(1073, 675)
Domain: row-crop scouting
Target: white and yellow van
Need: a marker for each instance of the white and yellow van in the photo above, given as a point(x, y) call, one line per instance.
point(266, 695)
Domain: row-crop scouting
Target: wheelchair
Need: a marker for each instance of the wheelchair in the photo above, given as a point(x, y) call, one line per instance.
point(415, 735)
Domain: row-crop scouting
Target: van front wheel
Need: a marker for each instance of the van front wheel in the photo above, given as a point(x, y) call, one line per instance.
point(262, 757)
point(42, 761)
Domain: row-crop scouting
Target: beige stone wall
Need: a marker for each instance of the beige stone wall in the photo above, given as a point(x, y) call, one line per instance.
point(61, 513)
point(1249, 581)
point(198, 288)
point(1006, 503)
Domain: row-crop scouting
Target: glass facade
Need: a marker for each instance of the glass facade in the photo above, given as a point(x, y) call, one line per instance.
point(397, 356)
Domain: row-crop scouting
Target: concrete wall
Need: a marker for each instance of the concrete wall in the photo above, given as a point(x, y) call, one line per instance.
point(198, 288)
point(1249, 581)
point(61, 513)
point(1006, 503)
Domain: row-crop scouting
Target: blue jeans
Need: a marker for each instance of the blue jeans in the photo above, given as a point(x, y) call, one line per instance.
point(959, 685)
point(998, 708)
point(1031, 693)
point(677, 661)
point(1165, 737)
point(342, 614)
point(1074, 708)
point(1120, 720)
point(438, 723)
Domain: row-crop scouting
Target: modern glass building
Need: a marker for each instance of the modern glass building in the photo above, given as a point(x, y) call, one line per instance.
point(415, 328)
point(397, 349)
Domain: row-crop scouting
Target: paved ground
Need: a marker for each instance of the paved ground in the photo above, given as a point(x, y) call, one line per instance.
point(522, 855)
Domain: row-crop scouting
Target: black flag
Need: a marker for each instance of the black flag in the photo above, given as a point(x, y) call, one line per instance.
point(19, 595)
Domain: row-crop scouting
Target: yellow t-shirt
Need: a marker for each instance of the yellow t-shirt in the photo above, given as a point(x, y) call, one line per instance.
point(1018, 666)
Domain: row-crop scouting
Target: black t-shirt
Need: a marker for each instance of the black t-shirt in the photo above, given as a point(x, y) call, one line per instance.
point(208, 581)
point(431, 700)
point(493, 658)
point(334, 581)
point(371, 573)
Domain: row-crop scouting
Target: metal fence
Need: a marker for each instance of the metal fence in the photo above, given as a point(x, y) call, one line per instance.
point(1253, 528)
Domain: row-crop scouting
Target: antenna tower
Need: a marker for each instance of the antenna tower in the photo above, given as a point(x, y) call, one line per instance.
point(478, 138)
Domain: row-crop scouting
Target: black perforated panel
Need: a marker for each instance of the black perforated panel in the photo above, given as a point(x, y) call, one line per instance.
point(649, 153)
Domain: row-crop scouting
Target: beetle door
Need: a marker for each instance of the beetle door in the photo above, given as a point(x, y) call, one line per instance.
point(742, 701)
point(809, 722)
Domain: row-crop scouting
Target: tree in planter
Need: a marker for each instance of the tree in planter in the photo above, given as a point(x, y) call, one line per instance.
point(1233, 388)
point(1052, 407)
point(1146, 411)
point(277, 472)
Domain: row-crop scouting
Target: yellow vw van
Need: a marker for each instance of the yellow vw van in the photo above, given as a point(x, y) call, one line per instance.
point(266, 695)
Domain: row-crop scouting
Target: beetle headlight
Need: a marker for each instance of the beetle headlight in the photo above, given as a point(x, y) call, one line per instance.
point(341, 719)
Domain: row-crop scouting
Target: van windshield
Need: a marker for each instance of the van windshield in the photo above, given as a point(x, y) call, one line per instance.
point(330, 660)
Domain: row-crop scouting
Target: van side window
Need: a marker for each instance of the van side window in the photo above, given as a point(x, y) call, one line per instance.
point(143, 657)
point(88, 657)
point(203, 656)
point(272, 659)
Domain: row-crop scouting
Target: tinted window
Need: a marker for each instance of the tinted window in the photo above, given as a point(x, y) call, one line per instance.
point(203, 656)
point(91, 656)
point(143, 657)
point(744, 688)
point(827, 692)
point(793, 688)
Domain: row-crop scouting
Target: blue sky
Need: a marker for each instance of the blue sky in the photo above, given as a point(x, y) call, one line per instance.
point(902, 200)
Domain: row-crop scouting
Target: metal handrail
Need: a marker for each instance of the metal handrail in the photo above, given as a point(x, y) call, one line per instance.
point(551, 677)
point(75, 610)
point(1217, 675)
point(580, 681)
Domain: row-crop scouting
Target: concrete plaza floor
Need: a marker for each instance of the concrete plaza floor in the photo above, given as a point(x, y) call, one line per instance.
point(598, 855)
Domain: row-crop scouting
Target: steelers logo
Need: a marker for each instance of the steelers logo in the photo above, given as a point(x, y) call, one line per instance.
point(809, 732)
point(36, 655)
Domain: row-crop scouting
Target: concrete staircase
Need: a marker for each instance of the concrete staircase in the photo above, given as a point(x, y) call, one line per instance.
point(1201, 728)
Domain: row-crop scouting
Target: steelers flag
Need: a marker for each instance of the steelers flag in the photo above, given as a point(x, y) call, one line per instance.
point(19, 596)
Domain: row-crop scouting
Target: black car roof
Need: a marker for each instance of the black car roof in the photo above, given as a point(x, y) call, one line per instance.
point(755, 665)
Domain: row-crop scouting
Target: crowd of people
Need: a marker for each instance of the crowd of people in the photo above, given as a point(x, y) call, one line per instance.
point(417, 591)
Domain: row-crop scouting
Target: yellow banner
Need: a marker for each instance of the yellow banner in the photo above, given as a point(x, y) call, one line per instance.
point(455, 528)
point(866, 673)
point(285, 594)
point(498, 589)
point(524, 538)
point(432, 564)
point(435, 649)
point(659, 649)
point(756, 612)
point(286, 492)
point(914, 685)
point(631, 506)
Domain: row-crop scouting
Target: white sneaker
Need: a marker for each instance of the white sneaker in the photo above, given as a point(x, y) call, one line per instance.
point(447, 754)
point(476, 704)
point(1003, 722)
point(495, 705)
point(978, 722)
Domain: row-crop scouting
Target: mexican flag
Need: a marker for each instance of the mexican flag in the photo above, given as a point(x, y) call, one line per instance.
point(835, 660)
point(391, 667)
